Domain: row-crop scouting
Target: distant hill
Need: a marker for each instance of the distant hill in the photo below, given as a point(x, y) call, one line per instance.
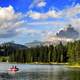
point(54, 41)
point(47, 43)
point(13, 45)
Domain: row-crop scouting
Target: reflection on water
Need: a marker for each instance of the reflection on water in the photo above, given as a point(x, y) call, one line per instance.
point(39, 72)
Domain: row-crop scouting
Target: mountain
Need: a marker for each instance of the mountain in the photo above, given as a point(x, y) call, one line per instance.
point(51, 41)
point(13, 45)
point(34, 44)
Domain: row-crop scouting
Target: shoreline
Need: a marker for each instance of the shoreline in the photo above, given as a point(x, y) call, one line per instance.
point(50, 63)
point(74, 66)
point(37, 63)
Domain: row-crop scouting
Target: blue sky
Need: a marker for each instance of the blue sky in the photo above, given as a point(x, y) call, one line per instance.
point(24, 21)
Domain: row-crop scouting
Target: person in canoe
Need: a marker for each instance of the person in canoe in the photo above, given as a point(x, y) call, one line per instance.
point(13, 68)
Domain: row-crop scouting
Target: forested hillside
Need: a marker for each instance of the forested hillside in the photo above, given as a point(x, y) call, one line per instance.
point(59, 53)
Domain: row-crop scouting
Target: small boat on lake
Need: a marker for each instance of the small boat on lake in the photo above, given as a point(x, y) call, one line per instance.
point(13, 69)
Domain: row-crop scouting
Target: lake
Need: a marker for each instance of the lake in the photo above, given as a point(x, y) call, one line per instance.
point(39, 72)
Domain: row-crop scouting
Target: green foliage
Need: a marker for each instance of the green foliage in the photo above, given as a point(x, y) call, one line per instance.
point(45, 54)
point(74, 52)
point(3, 59)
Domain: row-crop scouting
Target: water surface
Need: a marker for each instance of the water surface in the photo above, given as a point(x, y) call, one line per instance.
point(39, 72)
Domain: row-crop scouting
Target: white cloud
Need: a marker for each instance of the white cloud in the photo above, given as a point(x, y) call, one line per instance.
point(71, 12)
point(34, 15)
point(37, 3)
point(7, 13)
point(25, 30)
point(32, 32)
point(52, 13)
point(47, 23)
point(69, 15)
point(49, 14)
point(41, 4)
point(66, 13)
point(9, 21)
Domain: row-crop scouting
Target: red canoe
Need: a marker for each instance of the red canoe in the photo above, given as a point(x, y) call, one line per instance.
point(13, 69)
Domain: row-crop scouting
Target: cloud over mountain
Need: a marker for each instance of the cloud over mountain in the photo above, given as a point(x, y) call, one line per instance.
point(69, 32)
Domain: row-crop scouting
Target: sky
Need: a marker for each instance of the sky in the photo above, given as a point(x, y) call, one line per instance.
point(24, 21)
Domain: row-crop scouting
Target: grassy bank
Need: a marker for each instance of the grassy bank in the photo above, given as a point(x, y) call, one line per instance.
point(73, 65)
point(48, 63)
point(41, 63)
point(3, 59)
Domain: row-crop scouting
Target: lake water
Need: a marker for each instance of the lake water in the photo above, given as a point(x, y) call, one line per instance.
point(39, 72)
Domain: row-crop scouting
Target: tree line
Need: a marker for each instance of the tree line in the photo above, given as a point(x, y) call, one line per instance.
point(59, 53)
